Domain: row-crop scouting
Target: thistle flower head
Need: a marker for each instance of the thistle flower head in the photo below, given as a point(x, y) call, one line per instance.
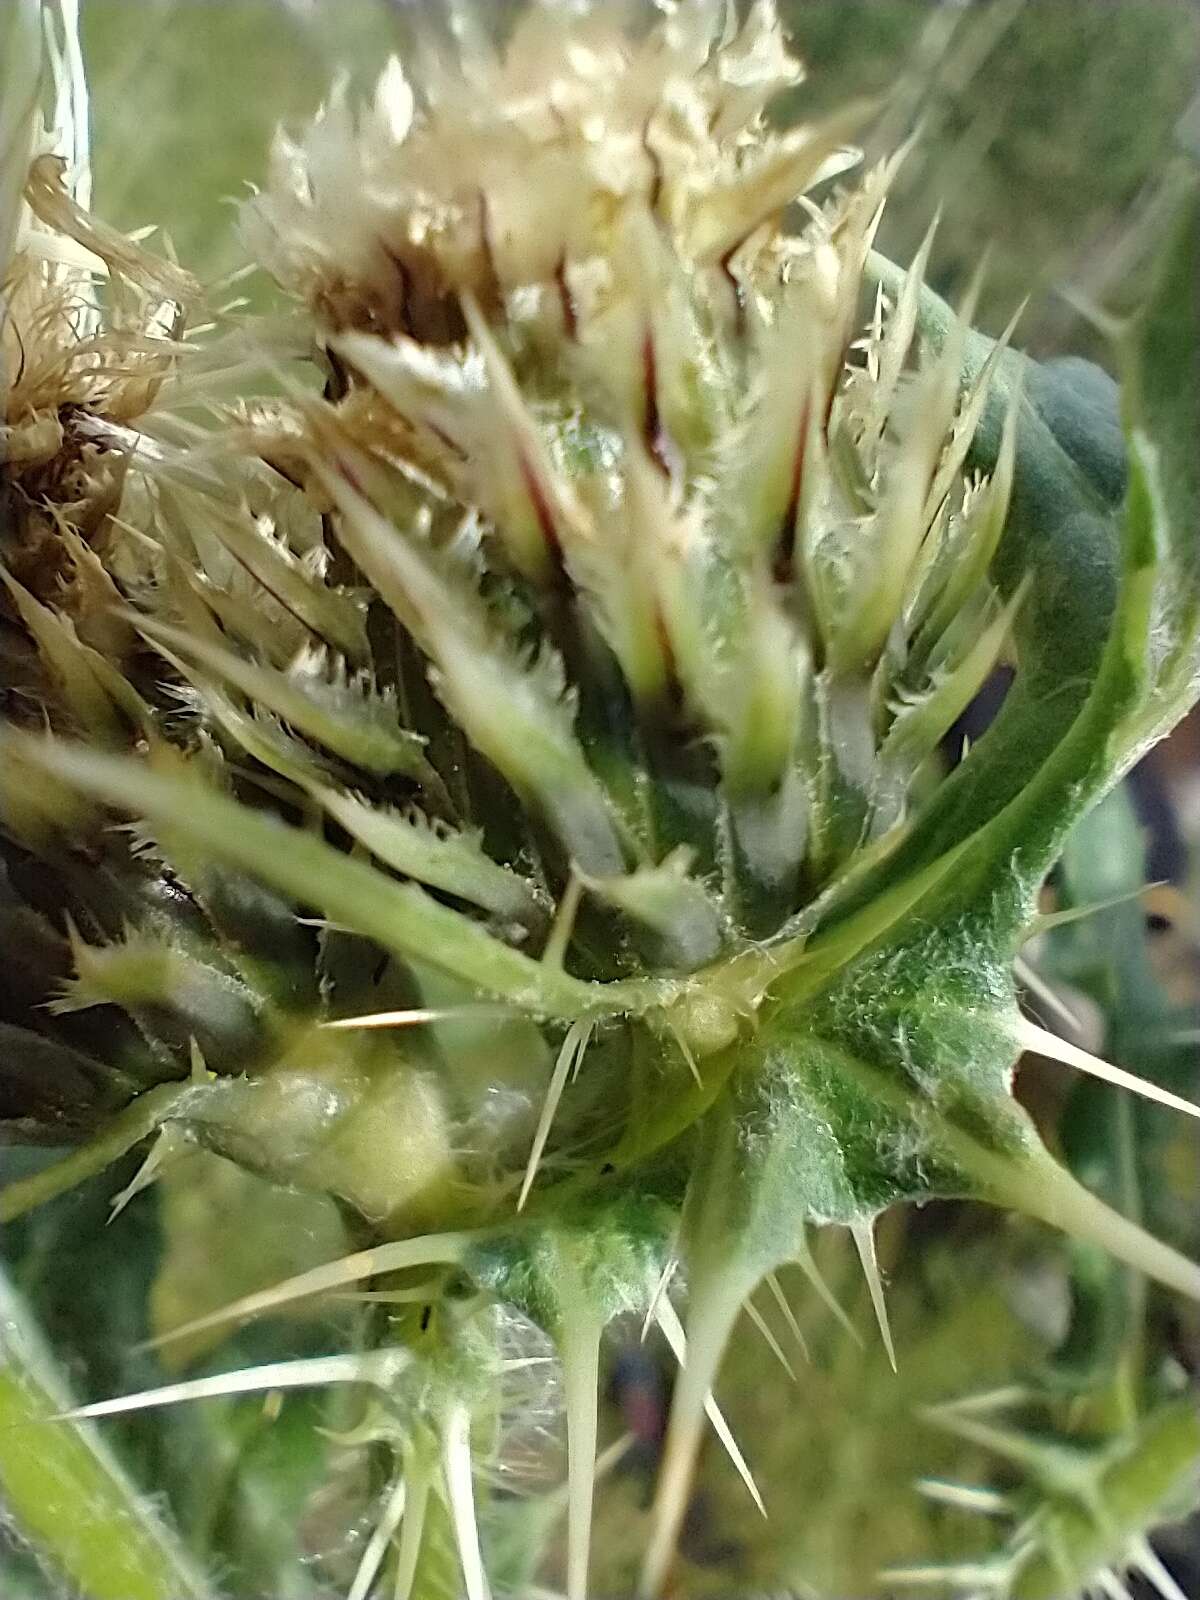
point(520, 166)
point(638, 422)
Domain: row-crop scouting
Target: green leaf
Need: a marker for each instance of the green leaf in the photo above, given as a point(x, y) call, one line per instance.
point(1108, 642)
point(446, 860)
point(344, 713)
point(514, 709)
point(331, 614)
point(67, 1493)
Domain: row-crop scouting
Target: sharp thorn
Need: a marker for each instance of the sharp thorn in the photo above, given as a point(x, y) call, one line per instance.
point(460, 1497)
point(572, 1049)
point(789, 1316)
point(1144, 1559)
point(672, 1330)
point(771, 1342)
point(804, 1260)
point(385, 1530)
point(308, 1372)
point(1036, 1039)
point(440, 1248)
point(864, 1240)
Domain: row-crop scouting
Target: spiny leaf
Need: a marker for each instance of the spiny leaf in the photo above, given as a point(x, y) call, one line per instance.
point(330, 614)
point(1092, 672)
point(900, 326)
point(504, 706)
point(504, 470)
point(724, 218)
point(94, 692)
point(400, 916)
point(880, 560)
point(145, 969)
point(348, 717)
point(439, 857)
point(673, 905)
point(920, 725)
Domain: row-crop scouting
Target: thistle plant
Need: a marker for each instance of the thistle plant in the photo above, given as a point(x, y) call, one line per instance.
point(486, 773)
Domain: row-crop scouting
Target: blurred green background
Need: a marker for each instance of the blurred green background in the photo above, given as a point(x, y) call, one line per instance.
point(1046, 122)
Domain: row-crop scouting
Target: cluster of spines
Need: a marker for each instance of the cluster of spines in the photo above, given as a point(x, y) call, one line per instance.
point(1080, 1518)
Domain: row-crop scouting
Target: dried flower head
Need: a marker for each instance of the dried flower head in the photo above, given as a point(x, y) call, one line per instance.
point(519, 167)
point(89, 335)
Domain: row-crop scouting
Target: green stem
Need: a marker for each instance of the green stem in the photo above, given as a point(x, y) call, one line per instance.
point(130, 1127)
point(64, 1491)
point(579, 1350)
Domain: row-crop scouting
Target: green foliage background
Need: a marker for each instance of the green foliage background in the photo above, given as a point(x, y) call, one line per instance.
point(1037, 154)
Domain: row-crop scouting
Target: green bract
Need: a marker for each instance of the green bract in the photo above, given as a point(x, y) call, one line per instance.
point(530, 746)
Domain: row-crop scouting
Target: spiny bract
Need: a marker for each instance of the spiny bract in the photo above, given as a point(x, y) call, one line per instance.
point(531, 742)
point(1081, 1508)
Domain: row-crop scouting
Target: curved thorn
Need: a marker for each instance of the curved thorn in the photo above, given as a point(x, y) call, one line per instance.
point(984, 1402)
point(1030, 978)
point(789, 1316)
point(994, 1578)
point(660, 1288)
point(965, 1497)
point(771, 1342)
point(149, 1172)
point(415, 1016)
point(308, 1372)
point(563, 925)
point(672, 1331)
point(686, 1052)
point(1044, 921)
point(803, 1258)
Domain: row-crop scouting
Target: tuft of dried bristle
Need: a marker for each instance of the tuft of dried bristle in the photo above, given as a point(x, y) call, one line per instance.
point(518, 167)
